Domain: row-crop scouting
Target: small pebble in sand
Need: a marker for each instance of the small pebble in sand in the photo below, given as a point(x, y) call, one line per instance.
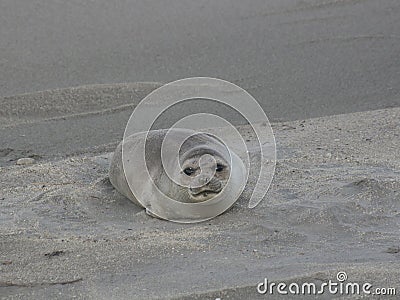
point(25, 161)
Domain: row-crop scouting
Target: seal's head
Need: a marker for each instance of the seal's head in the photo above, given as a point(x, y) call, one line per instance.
point(205, 172)
point(203, 167)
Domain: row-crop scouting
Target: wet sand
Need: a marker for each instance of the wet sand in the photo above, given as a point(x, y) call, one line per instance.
point(333, 206)
point(299, 58)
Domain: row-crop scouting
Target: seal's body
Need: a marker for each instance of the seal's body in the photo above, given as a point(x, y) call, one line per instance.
point(198, 172)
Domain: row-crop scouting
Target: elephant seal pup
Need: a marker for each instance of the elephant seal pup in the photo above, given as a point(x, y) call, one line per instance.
point(202, 181)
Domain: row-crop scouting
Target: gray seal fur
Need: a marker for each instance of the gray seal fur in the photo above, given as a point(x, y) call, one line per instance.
point(189, 158)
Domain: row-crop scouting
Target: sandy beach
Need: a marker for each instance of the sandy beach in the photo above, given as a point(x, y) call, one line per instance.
point(66, 233)
point(326, 73)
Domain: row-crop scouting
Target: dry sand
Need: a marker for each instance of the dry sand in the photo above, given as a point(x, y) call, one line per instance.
point(334, 205)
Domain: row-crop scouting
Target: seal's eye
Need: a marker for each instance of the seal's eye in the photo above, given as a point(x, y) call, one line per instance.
point(189, 171)
point(219, 168)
